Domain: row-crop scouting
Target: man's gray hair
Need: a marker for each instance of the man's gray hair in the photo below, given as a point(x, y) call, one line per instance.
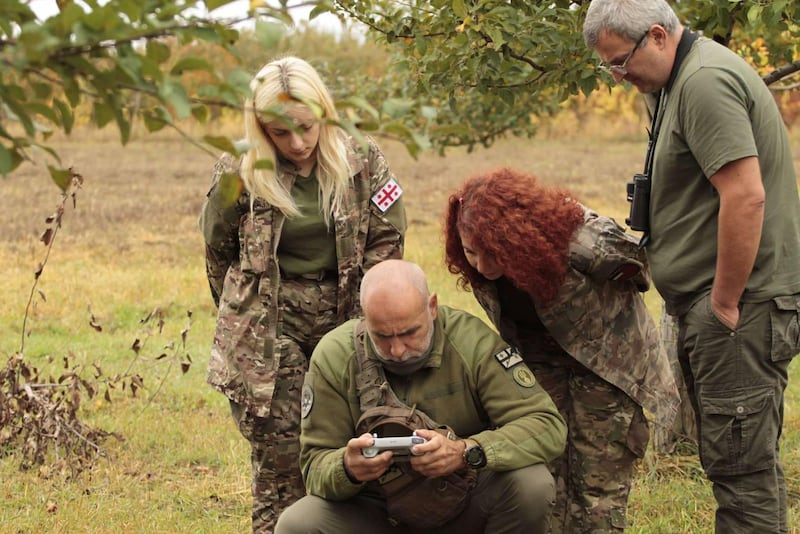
point(628, 19)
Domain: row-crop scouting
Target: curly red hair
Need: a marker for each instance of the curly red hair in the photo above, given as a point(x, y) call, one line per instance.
point(524, 226)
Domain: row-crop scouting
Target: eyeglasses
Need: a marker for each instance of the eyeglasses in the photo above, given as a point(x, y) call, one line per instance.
point(620, 69)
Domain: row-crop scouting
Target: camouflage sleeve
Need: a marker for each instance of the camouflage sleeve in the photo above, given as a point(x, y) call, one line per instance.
point(386, 234)
point(220, 226)
point(603, 251)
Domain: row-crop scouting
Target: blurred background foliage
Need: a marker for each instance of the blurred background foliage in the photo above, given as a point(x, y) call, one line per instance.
point(431, 74)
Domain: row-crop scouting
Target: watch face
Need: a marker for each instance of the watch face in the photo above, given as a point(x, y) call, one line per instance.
point(475, 457)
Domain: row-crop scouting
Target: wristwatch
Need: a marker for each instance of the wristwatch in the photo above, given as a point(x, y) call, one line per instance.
point(474, 456)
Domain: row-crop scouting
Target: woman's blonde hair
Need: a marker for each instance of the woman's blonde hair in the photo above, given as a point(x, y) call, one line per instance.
point(281, 84)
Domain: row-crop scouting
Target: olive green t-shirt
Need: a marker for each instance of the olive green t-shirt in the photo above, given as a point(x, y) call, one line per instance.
point(718, 111)
point(306, 245)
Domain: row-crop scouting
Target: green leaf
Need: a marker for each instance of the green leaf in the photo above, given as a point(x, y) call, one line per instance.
point(61, 177)
point(221, 142)
point(174, 94)
point(18, 112)
point(351, 129)
point(754, 13)
point(103, 114)
point(429, 112)
point(191, 63)
point(320, 8)
point(9, 160)
point(200, 113)
point(155, 119)
point(72, 91)
point(230, 187)
point(362, 104)
point(131, 8)
point(269, 34)
point(460, 9)
point(214, 4)
point(45, 111)
point(42, 91)
point(395, 107)
point(264, 164)
point(157, 51)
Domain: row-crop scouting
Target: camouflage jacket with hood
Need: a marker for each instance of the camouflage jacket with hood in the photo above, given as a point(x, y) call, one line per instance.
point(244, 275)
point(600, 318)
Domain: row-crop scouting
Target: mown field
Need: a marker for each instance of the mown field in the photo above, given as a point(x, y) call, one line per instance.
point(131, 246)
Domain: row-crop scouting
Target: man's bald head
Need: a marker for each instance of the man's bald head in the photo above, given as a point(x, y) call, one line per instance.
point(394, 281)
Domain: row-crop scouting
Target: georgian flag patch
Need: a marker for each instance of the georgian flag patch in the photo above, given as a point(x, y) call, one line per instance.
point(508, 357)
point(388, 195)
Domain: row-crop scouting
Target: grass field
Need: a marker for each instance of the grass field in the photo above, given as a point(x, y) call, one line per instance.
point(131, 245)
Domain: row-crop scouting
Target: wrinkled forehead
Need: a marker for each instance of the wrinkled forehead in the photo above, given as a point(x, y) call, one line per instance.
point(397, 320)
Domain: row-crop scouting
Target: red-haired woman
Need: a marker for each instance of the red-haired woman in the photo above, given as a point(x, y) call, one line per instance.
point(564, 285)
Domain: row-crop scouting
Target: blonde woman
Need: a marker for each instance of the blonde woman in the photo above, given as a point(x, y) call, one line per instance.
point(285, 261)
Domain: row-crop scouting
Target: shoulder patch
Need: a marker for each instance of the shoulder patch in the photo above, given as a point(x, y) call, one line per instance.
point(387, 195)
point(523, 376)
point(508, 357)
point(306, 401)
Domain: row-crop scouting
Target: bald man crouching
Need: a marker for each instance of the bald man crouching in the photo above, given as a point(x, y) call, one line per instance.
point(422, 417)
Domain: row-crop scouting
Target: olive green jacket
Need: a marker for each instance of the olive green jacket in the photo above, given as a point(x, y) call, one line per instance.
point(474, 383)
point(600, 318)
point(244, 275)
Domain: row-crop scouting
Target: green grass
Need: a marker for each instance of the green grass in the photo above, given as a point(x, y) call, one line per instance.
point(132, 246)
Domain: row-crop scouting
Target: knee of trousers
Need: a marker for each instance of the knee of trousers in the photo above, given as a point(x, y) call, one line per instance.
point(298, 517)
point(530, 490)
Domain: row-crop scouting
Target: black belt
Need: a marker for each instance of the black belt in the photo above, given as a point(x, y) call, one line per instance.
point(317, 276)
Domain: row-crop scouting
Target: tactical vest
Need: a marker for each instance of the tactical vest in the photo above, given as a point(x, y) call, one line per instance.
point(411, 498)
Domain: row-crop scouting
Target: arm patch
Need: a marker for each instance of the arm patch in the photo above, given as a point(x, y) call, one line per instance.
point(387, 195)
point(508, 357)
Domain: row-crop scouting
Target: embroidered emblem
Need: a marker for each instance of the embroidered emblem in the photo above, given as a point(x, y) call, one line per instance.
point(508, 357)
point(523, 376)
point(306, 401)
point(388, 195)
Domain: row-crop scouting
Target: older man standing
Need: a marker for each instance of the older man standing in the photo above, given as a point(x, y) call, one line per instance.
point(722, 235)
point(501, 427)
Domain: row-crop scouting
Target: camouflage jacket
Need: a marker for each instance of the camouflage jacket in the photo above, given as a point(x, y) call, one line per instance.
point(600, 318)
point(243, 272)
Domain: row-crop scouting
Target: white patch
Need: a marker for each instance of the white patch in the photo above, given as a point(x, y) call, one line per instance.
point(508, 357)
point(388, 195)
point(306, 400)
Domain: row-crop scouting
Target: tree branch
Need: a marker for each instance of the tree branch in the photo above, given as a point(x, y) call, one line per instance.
point(168, 31)
point(781, 72)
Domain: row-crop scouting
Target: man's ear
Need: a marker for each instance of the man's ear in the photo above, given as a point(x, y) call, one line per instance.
point(659, 35)
point(433, 305)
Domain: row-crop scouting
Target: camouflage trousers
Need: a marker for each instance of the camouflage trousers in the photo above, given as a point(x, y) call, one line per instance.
point(607, 434)
point(307, 312)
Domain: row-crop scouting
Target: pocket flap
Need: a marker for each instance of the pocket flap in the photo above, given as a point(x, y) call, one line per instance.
point(790, 302)
point(739, 406)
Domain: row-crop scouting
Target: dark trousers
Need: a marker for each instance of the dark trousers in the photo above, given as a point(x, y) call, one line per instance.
point(736, 381)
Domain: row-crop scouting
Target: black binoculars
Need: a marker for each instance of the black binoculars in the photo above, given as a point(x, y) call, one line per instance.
point(638, 194)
